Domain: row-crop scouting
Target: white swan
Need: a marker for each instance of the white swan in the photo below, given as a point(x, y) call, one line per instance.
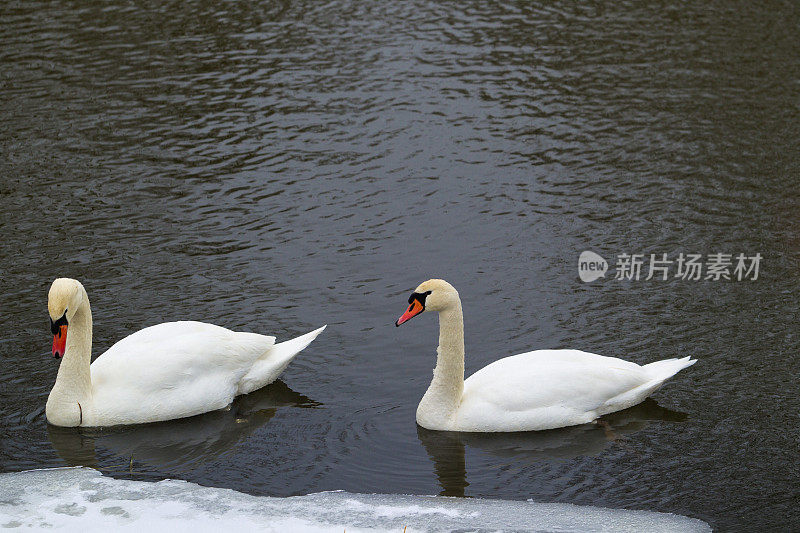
point(537, 390)
point(167, 371)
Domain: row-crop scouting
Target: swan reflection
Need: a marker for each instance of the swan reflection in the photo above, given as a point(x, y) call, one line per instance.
point(447, 449)
point(186, 440)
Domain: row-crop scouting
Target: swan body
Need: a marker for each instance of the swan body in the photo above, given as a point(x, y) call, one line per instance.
point(542, 389)
point(546, 389)
point(167, 371)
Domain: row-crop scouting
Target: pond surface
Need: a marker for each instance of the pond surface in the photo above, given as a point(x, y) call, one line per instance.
point(273, 167)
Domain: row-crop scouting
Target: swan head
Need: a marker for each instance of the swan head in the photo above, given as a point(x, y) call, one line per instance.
point(431, 295)
point(65, 297)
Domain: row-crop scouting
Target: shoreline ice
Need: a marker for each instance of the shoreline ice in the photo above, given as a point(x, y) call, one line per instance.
point(82, 499)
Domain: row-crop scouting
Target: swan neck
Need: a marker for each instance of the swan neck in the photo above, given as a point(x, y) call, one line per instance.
point(450, 354)
point(78, 352)
point(439, 405)
point(74, 383)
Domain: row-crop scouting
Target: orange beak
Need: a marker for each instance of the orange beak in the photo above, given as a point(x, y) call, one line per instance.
point(60, 342)
point(413, 310)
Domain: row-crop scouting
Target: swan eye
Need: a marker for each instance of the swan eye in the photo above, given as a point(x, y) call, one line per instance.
point(418, 296)
point(55, 327)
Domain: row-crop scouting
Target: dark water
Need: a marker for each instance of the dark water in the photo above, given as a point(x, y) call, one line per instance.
point(272, 167)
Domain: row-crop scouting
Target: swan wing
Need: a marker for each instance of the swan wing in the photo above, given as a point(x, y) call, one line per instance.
point(172, 370)
point(545, 389)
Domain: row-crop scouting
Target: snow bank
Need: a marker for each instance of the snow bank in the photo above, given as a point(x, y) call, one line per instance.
point(81, 499)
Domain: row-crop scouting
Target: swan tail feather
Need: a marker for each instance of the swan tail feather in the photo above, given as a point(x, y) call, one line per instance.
point(269, 366)
point(663, 370)
point(658, 373)
point(286, 350)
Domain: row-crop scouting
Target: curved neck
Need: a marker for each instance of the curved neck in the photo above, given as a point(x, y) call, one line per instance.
point(74, 381)
point(450, 353)
point(444, 393)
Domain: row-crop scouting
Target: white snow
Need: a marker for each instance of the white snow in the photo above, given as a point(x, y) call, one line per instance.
point(81, 499)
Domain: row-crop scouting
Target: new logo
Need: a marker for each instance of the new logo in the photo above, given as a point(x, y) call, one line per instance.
point(591, 266)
